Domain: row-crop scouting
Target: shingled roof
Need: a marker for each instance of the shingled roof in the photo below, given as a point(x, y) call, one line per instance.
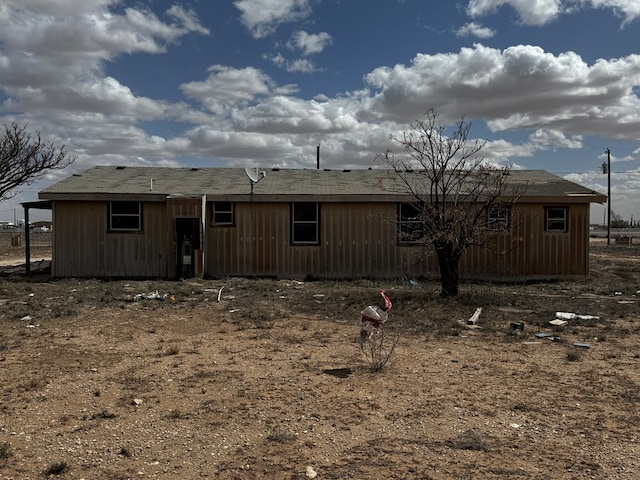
point(278, 184)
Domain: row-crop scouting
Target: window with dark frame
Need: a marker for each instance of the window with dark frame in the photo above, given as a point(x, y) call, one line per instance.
point(410, 224)
point(556, 219)
point(125, 216)
point(305, 223)
point(222, 213)
point(499, 219)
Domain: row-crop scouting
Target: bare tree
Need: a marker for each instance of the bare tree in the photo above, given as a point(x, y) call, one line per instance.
point(25, 158)
point(457, 197)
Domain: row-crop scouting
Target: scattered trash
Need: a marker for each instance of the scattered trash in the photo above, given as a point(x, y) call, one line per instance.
point(543, 335)
point(531, 343)
point(573, 316)
point(558, 323)
point(26, 318)
point(582, 345)
point(220, 292)
point(150, 296)
point(311, 473)
point(372, 319)
point(137, 402)
point(516, 327)
point(474, 318)
point(413, 283)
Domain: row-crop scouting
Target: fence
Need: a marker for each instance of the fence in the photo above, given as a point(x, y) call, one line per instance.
point(16, 239)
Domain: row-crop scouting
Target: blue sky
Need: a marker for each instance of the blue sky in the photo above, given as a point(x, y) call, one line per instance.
point(549, 84)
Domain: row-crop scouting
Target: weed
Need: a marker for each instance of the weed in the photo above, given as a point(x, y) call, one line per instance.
point(471, 440)
point(280, 437)
point(5, 450)
point(574, 355)
point(379, 348)
point(172, 350)
point(57, 468)
point(175, 414)
point(125, 452)
point(103, 414)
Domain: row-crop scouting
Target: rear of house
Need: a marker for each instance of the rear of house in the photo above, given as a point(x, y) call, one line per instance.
point(136, 222)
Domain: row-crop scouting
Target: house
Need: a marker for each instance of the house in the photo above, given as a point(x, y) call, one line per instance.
point(175, 222)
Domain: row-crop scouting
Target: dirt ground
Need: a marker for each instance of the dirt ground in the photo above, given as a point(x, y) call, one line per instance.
point(262, 379)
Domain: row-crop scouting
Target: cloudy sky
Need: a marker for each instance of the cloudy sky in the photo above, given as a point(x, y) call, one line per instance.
point(550, 84)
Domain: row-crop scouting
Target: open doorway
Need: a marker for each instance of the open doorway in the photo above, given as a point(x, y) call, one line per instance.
point(187, 242)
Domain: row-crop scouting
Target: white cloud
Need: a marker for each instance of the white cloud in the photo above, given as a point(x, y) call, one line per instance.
point(551, 139)
point(310, 43)
point(520, 87)
point(537, 12)
point(263, 17)
point(540, 12)
point(298, 65)
point(474, 29)
point(228, 87)
point(629, 9)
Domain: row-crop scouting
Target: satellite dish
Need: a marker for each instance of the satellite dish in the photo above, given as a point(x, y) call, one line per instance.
point(252, 174)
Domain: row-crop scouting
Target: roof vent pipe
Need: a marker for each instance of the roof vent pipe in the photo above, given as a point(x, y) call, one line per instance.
point(318, 157)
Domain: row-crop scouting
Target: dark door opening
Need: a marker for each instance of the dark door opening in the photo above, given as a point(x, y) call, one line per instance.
point(187, 242)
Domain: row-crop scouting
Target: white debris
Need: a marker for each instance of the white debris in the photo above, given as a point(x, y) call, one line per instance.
point(311, 473)
point(558, 323)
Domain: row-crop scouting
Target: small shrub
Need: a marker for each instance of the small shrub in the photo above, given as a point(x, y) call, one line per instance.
point(103, 414)
point(574, 355)
point(125, 452)
point(5, 450)
point(172, 350)
point(471, 440)
point(379, 348)
point(280, 437)
point(57, 468)
point(175, 414)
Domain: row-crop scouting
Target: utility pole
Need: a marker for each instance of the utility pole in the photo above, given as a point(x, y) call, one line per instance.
point(606, 168)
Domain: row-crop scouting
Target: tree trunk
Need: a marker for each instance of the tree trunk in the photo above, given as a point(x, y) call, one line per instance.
point(448, 261)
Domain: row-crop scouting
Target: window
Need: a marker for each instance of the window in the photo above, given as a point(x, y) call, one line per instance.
point(499, 219)
point(125, 216)
point(305, 223)
point(556, 219)
point(410, 225)
point(222, 213)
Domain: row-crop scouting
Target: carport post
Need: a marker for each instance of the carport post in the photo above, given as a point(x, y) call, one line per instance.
point(27, 239)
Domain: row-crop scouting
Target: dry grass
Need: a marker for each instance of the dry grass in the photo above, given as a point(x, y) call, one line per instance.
point(269, 380)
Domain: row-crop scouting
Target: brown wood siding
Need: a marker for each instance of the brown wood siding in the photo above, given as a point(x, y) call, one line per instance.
point(359, 240)
point(83, 247)
point(530, 251)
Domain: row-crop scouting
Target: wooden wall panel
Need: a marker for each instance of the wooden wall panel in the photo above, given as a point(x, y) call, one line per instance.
point(359, 240)
point(84, 248)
